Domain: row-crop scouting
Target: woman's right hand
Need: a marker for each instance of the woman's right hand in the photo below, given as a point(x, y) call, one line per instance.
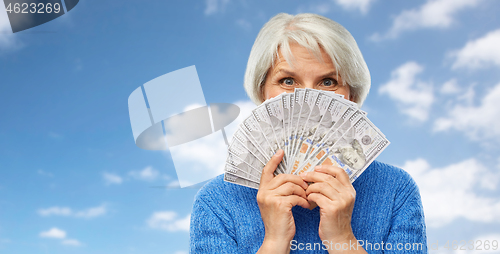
point(276, 197)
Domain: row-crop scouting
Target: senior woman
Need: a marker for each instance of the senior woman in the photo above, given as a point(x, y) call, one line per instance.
point(380, 212)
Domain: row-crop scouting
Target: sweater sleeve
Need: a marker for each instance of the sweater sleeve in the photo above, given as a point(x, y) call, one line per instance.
point(408, 232)
point(209, 231)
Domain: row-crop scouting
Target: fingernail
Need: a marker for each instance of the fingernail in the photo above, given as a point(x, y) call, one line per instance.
point(277, 153)
point(318, 167)
point(303, 174)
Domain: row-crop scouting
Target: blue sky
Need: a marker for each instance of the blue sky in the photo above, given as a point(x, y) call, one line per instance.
point(73, 181)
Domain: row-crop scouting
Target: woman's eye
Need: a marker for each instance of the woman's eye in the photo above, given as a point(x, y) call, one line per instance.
point(329, 82)
point(288, 81)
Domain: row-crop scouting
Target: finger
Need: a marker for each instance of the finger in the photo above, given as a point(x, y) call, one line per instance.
point(319, 199)
point(317, 177)
point(323, 188)
point(290, 188)
point(336, 172)
point(272, 164)
point(281, 179)
point(340, 175)
point(296, 200)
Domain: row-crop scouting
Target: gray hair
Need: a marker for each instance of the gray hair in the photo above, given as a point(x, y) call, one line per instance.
point(313, 32)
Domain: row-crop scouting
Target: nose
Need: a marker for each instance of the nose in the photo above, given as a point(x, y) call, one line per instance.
point(309, 84)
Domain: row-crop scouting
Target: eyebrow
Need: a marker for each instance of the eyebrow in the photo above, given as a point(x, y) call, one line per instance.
point(291, 73)
point(331, 74)
point(287, 72)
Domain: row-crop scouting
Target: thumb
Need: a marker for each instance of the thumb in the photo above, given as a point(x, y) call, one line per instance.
point(272, 164)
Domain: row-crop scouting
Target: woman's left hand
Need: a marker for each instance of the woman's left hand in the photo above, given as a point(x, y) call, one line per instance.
point(335, 195)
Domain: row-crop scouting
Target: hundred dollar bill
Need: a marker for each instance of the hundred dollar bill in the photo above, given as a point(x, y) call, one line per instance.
point(244, 145)
point(240, 153)
point(334, 112)
point(286, 100)
point(341, 97)
point(294, 120)
point(348, 119)
point(265, 126)
point(333, 94)
point(357, 148)
point(325, 105)
point(239, 172)
point(232, 178)
point(251, 126)
point(275, 117)
point(310, 117)
point(289, 124)
point(313, 127)
point(249, 142)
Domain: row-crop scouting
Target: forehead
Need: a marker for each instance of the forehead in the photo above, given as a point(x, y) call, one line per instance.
point(299, 58)
point(294, 52)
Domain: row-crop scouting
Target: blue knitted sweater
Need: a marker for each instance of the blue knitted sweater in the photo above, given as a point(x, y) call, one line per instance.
point(387, 214)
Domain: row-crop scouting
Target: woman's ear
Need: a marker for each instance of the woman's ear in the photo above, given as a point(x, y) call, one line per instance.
point(262, 85)
point(261, 94)
point(352, 97)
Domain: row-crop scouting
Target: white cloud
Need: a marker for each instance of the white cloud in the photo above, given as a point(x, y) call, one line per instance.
point(433, 14)
point(362, 5)
point(468, 95)
point(449, 193)
point(61, 211)
point(91, 212)
point(413, 96)
point(199, 160)
point(53, 233)
point(479, 53)
point(450, 87)
point(325, 7)
point(71, 242)
point(169, 221)
point(110, 178)
point(215, 6)
point(66, 211)
point(480, 122)
point(147, 174)
point(320, 8)
point(57, 233)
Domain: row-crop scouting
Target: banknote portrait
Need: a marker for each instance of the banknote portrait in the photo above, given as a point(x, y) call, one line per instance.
point(352, 155)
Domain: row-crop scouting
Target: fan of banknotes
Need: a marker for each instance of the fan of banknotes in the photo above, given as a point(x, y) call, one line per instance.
point(313, 127)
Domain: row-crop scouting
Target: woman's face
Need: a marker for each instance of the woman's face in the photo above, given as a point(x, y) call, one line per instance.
point(307, 72)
